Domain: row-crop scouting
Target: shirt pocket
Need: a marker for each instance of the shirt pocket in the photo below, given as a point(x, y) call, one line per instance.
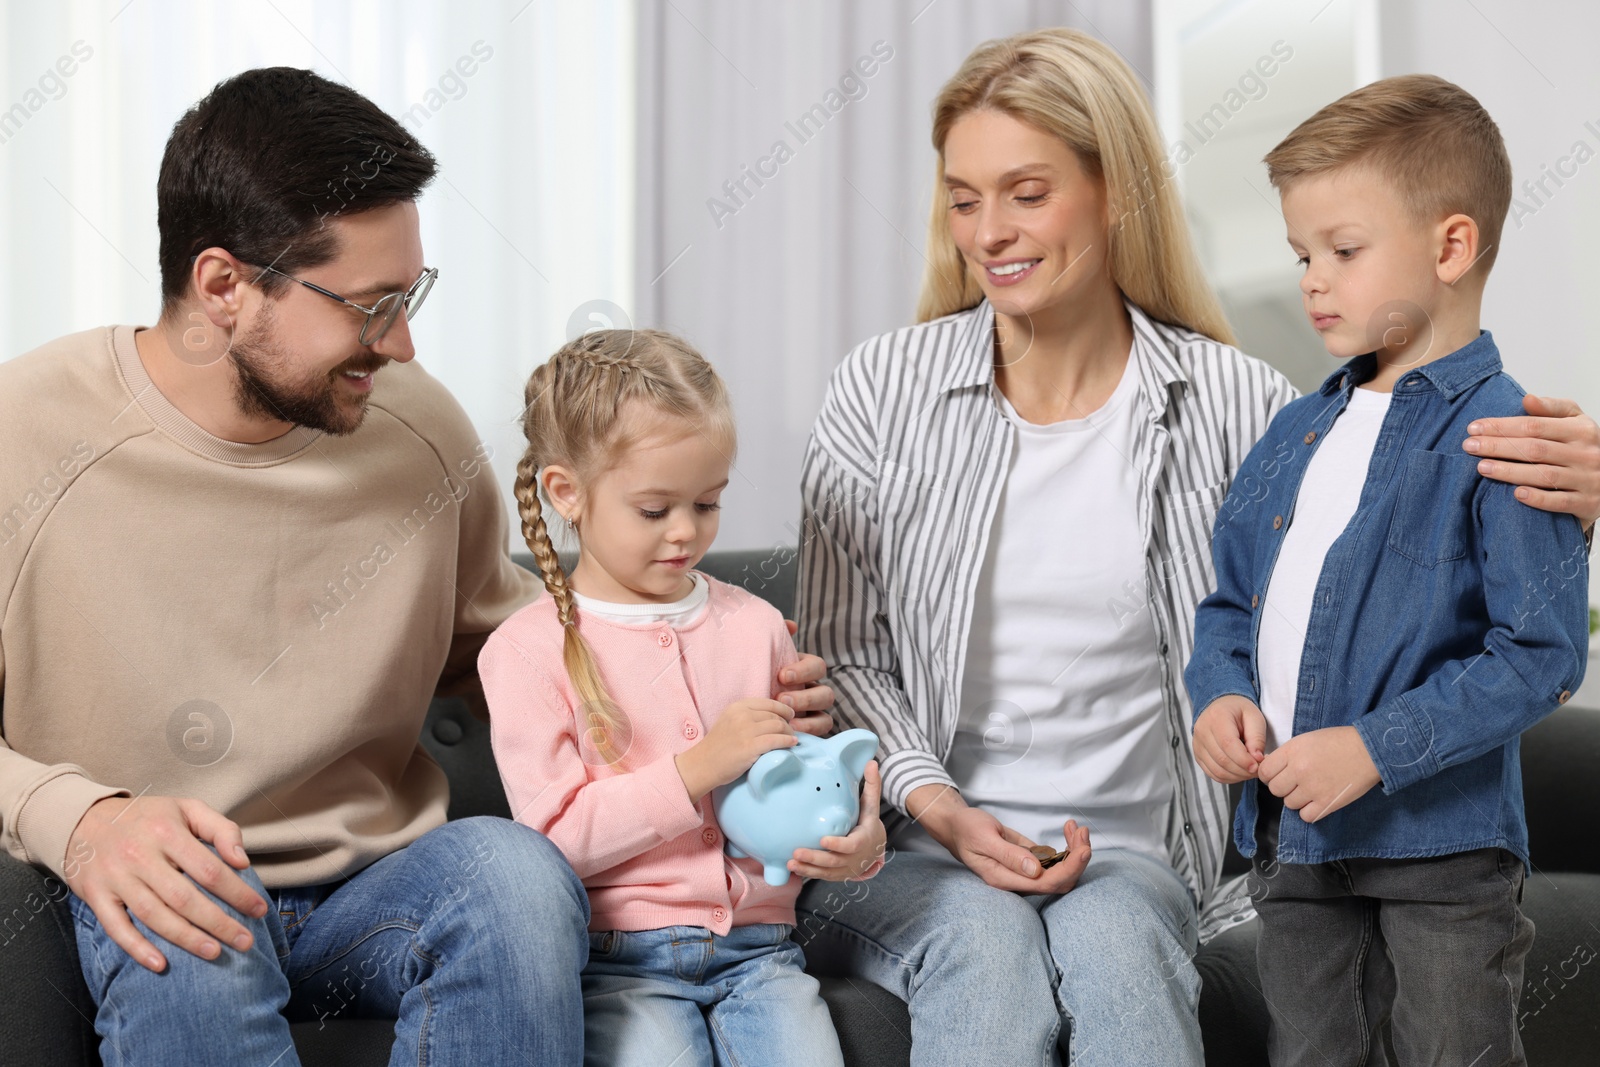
point(916, 539)
point(1204, 502)
point(908, 500)
point(1432, 521)
point(1190, 517)
point(896, 481)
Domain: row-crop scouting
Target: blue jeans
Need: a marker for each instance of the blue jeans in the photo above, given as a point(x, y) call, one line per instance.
point(690, 998)
point(1105, 972)
point(472, 937)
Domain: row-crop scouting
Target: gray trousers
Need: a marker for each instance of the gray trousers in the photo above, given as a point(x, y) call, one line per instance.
point(1434, 946)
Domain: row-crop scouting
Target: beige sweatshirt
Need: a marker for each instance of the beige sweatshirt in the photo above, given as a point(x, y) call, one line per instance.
point(260, 626)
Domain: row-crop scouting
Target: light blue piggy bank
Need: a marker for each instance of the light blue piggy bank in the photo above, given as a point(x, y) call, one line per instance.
point(794, 797)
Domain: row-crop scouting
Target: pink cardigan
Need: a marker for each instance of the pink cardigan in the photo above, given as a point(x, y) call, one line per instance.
point(648, 856)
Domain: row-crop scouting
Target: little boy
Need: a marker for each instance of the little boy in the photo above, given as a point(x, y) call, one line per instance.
point(1384, 616)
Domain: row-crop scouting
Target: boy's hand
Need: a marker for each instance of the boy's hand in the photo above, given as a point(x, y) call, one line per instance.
point(746, 731)
point(1318, 773)
point(859, 853)
point(1230, 739)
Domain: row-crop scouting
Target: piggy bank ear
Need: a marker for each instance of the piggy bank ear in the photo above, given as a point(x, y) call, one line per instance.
point(855, 749)
point(772, 770)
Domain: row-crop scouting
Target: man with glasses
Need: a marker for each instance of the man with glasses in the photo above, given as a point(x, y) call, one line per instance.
point(240, 551)
point(273, 538)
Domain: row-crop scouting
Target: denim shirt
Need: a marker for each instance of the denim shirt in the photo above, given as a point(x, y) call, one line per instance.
point(1448, 617)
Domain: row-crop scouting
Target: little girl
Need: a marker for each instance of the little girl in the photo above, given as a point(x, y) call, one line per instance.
point(619, 701)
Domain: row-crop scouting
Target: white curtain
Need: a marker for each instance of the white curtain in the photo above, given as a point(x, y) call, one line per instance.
point(775, 281)
point(531, 216)
point(577, 162)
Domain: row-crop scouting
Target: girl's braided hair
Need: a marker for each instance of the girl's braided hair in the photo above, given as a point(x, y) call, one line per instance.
point(583, 409)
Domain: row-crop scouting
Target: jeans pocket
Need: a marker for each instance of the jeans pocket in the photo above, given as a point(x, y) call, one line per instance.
point(1511, 867)
point(1432, 518)
point(605, 944)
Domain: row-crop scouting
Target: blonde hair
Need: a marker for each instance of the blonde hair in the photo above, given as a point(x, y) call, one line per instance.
point(1429, 138)
point(584, 408)
point(1067, 84)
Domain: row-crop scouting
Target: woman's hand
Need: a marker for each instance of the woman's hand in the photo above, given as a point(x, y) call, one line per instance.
point(800, 685)
point(1552, 454)
point(996, 853)
point(745, 731)
point(859, 854)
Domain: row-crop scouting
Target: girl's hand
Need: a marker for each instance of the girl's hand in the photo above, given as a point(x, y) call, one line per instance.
point(746, 730)
point(859, 854)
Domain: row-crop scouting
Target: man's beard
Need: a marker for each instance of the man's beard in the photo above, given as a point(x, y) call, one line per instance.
point(261, 389)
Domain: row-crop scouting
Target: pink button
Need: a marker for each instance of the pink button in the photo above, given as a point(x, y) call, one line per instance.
point(718, 914)
point(691, 731)
point(663, 639)
point(709, 835)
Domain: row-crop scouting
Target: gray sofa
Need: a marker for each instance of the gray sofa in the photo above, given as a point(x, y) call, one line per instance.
point(45, 1012)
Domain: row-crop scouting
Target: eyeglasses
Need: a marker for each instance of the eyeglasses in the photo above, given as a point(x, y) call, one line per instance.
point(380, 316)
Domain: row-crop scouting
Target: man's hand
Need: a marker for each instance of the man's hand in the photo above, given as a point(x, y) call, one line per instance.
point(996, 853)
point(1230, 737)
point(1319, 772)
point(1552, 454)
point(802, 690)
point(851, 856)
point(146, 856)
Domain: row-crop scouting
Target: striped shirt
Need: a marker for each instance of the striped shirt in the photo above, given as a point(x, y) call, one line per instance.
point(901, 482)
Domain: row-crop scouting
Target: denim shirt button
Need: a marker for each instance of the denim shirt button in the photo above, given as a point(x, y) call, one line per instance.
point(1312, 436)
point(1277, 522)
point(1255, 600)
point(1566, 695)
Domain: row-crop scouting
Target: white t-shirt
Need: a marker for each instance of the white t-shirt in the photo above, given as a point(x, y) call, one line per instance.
point(1328, 497)
point(1061, 711)
point(676, 614)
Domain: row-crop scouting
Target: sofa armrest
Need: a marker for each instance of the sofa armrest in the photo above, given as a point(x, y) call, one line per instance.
point(45, 1011)
point(1561, 790)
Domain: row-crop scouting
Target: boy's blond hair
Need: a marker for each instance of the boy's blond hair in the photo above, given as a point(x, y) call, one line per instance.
point(1429, 138)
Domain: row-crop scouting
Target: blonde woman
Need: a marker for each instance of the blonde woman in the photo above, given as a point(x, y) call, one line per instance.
point(1008, 518)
